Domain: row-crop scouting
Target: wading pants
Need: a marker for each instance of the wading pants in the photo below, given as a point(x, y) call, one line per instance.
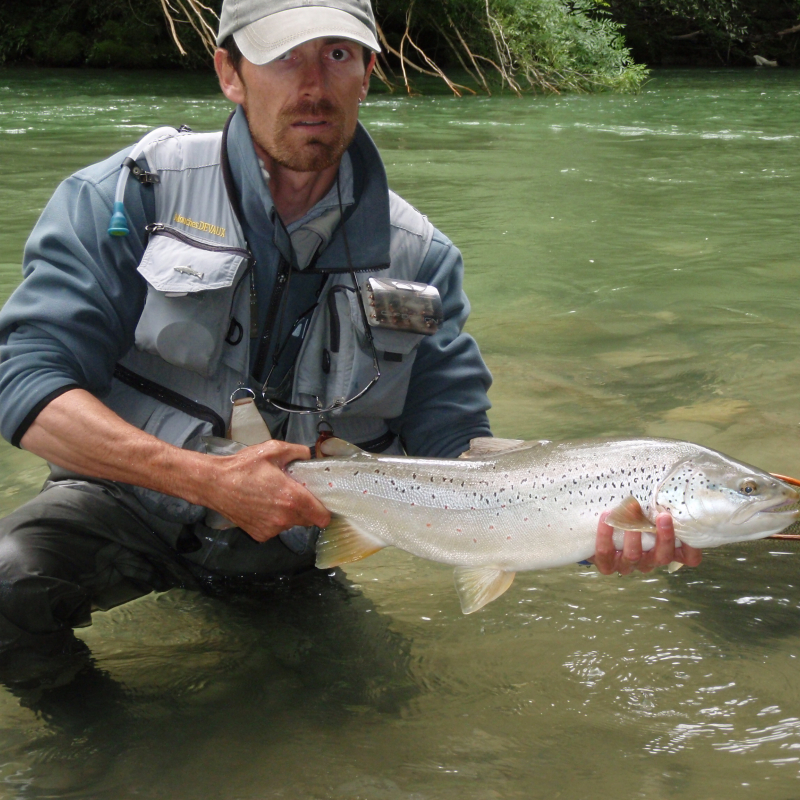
point(78, 547)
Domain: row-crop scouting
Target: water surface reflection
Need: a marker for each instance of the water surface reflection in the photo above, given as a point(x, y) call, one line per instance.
point(632, 266)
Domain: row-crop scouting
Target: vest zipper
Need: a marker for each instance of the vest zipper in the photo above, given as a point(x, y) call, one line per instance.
point(158, 228)
point(171, 398)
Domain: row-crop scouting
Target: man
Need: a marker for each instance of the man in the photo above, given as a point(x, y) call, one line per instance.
point(120, 355)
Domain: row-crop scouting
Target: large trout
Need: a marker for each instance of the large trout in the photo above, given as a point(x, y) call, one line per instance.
point(509, 505)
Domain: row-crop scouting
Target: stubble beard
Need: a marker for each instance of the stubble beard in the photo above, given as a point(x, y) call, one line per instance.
point(314, 154)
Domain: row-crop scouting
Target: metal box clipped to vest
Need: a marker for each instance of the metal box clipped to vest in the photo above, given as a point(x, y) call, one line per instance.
point(402, 305)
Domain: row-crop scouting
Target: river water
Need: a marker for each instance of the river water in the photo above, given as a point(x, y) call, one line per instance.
point(632, 264)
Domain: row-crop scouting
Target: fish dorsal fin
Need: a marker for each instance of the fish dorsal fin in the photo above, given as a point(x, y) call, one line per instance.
point(628, 516)
point(217, 446)
point(339, 447)
point(492, 446)
point(341, 543)
point(477, 586)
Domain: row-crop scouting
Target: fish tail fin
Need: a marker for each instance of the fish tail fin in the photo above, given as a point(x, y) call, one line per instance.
point(477, 586)
point(341, 543)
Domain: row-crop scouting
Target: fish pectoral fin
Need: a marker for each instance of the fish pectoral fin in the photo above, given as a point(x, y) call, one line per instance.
point(674, 566)
point(477, 586)
point(341, 543)
point(628, 516)
point(339, 447)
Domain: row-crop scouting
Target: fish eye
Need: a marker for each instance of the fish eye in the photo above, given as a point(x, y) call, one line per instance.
point(748, 487)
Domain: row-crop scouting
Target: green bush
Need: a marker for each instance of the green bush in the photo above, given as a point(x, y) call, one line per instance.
point(545, 45)
point(62, 50)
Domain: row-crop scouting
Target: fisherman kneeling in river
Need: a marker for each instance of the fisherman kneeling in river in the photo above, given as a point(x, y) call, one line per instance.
point(227, 283)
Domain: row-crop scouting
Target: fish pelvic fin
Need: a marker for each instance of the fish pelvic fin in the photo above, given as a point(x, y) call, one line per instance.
point(341, 543)
point(628, 516)
point(477, 586)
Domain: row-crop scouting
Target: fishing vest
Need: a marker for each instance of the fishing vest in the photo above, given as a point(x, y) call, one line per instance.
point(192, 340)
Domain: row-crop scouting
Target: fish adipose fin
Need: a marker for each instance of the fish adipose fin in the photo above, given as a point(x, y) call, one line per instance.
point(477, 586)
point(628, 516)
point(341, 543)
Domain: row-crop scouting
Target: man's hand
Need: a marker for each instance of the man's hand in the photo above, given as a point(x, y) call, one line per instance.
point(608, 559)
point(252, 490)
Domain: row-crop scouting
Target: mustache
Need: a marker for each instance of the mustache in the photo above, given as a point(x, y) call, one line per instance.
point(322, 107)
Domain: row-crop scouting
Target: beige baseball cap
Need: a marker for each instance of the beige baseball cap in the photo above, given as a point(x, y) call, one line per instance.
point(266, 29)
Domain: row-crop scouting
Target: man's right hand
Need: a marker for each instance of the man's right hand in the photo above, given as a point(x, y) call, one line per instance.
point(252, 490)
point(76, 431)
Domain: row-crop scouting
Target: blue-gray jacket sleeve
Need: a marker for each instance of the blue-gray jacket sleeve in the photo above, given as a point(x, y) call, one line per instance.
point(447, 403)
point(75, 313)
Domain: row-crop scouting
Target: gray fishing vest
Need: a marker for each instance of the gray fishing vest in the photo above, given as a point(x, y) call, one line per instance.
point(192, 341)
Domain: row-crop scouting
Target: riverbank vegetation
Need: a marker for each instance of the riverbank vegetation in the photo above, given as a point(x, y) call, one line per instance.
point(471, 46)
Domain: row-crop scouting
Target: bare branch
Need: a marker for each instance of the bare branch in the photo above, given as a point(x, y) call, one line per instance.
point(193, 12)
point(470, 54)
point(454, 87)
point(171, 22)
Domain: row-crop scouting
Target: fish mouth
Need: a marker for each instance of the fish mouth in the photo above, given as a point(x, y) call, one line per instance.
point(787, 506)
point(782, 506)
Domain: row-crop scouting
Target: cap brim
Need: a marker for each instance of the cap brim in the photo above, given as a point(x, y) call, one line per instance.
point(269, 37)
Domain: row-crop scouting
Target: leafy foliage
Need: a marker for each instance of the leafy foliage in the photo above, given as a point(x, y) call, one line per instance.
point(710, 31)
point(100, 33)
point(521, 45)
point(548, 45)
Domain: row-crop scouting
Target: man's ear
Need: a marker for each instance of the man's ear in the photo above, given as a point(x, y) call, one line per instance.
point(229, 79)
point(365, 86)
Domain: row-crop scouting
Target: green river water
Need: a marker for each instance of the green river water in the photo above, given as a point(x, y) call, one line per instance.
point(632, 264)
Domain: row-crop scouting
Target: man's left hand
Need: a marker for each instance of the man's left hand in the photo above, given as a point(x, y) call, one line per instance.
point(608, 559)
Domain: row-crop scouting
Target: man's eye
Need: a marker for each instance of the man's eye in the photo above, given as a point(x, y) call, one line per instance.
point(284, 56)
point(339, 54)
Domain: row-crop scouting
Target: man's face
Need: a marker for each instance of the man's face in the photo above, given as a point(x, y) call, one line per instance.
point(302, 108)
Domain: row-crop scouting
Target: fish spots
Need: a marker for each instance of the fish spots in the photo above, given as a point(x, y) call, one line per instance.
point(365, 491)
point(508, 538)
point(491, 527)
point(327, 469)
point(385, 510)
point(330, 484)
point(427, 524)
point(475, 540)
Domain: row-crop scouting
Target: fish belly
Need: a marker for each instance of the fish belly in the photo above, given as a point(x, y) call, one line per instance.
point(511, 539)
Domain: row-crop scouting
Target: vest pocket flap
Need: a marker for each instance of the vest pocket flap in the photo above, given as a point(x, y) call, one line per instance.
point(175, 267)
point(399, 342)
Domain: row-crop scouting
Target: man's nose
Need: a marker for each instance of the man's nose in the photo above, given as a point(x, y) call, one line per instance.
point(312, 77)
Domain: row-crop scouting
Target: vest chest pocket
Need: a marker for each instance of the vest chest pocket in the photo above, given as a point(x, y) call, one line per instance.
point(396, 353)
point(191, 289)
